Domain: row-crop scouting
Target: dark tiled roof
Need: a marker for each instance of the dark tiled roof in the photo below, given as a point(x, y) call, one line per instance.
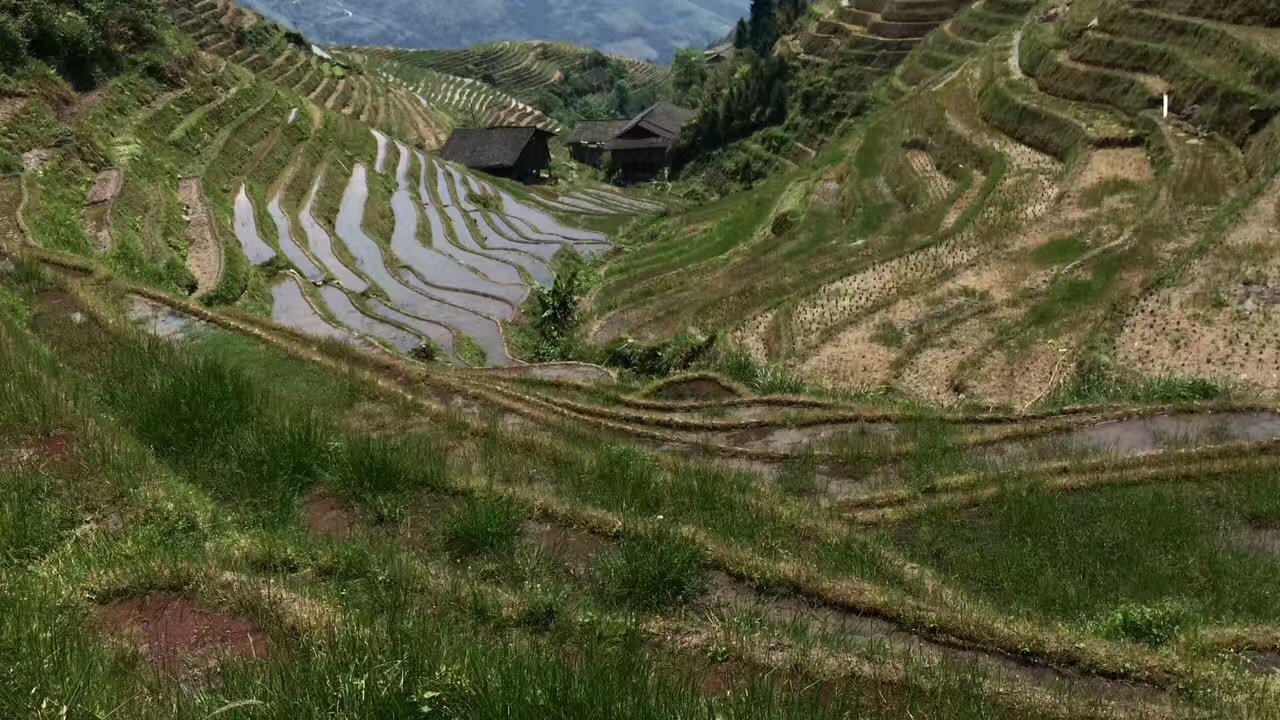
point(725, 52)
point(596, 131)
point(496, 147)
point(663, 119)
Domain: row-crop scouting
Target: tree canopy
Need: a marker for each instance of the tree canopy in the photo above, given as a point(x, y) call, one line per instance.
point(81, 39)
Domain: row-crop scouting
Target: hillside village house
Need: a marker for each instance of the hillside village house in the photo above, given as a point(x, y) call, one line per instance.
point(586, 143)
point(518, 153)
point(719, 54)
point(636, 149)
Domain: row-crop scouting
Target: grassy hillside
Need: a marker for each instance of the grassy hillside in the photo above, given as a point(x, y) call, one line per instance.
point(567, 82)
point(967, 416)
point(1016, 224)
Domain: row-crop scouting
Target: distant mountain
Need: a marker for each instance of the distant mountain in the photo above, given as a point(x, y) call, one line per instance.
point(646, 29)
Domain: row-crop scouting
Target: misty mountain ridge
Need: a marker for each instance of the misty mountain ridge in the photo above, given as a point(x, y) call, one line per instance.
point(651, 30)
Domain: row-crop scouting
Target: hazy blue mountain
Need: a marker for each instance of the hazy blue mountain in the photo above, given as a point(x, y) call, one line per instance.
point(648, 29)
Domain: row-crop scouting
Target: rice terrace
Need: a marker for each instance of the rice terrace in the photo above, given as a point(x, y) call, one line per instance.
point(876, 359)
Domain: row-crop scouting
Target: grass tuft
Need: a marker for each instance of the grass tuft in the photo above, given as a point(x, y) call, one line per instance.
point(651, 571)
point(1155, 625)
point(481, 527)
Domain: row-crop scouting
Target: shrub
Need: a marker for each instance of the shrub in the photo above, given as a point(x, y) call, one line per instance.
point(676, 355)
point(1154, 625)
point(653, 570)
point(782, 223)
point(80, 39)
point(483, 526)
point(427, 352)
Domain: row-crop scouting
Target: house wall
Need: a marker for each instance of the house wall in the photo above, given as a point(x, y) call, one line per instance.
point(535, 158)
point(639, 164)
point(586, 154)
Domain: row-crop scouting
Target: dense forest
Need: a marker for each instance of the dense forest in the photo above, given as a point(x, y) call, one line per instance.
point(83, 40)
point(597, 90)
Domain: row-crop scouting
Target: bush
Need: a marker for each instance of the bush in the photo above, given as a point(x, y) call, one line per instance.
point(782, 223)
point(483, 526)
point(653, 570)
point(737, 364)
point(662, 359)
point(79, 38)
point(427, 352)
point(1154, 625)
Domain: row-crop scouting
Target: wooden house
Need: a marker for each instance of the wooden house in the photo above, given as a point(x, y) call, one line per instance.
point(586, 143)
point(642, 148)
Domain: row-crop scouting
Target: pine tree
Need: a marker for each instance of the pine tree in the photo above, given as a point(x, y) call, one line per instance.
point(742, 35)
point(763, 26)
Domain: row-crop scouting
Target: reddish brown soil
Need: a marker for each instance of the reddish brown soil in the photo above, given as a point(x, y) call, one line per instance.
point(57, 447)
point(328, 515)
point(178, 636)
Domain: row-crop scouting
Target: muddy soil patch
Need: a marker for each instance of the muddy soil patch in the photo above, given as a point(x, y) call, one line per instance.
point(561, 371)
point(328, 515)
point(107, 187)
point(53, 308)
point(793, 439)
point(56, 448)
point(694, 388)
point(178, 636)
point(577, 549)
point(1261, 663)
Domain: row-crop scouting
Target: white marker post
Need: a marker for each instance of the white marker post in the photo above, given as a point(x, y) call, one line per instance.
point(1166, 106)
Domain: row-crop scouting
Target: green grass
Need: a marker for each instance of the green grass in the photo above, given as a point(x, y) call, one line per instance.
point(888, 335)
point(651, 571)
point(1060, 251)
point(211, 444)
point(220, 425)
point(470, 352)
point(190, 467)
point(483, 526)
point(1081, 558)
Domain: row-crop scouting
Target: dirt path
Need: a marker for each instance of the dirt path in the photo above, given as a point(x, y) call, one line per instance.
point(10, 107)
point(97, 211)
point(204, 252)
point(12, 236)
